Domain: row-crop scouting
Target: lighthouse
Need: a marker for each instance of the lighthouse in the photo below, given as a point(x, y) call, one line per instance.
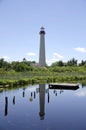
point(42, 59)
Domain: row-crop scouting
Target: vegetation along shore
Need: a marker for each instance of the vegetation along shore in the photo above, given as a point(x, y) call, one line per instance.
point(27, 72)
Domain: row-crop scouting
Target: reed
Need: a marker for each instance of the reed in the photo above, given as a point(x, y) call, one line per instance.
point(43, 75)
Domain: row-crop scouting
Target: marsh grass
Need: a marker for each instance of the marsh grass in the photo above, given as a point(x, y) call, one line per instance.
point(43, 75)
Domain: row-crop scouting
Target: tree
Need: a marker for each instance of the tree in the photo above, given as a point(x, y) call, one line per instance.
point(82, 63)
point(4, 64)
point(72, 62)
point(58, 63)
point(24, 60)
point(1, 62)
point(21, 66)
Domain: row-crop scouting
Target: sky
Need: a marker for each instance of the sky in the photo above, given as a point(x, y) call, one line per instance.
point(64, 22)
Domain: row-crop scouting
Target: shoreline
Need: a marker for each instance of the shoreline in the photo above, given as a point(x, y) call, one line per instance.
point(4, 83)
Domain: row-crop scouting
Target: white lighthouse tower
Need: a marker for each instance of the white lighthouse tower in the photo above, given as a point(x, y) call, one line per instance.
point(42, 61)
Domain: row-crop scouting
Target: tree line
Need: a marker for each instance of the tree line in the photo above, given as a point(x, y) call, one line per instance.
point(18, 66)
point(72, 62)
point(25, 65)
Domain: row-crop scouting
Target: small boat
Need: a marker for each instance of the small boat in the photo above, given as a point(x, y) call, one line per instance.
point(68, 86)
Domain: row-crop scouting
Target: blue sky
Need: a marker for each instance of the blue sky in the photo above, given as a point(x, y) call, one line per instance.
point(64, 22)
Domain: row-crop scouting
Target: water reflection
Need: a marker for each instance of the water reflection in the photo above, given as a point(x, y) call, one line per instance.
point(81, 93)
point(6, 106)
point(13, 100)
point(23, 94)
point(48, 97)
point(41, 90)
point(40, 108)
point(34, 95)
point(42, 100)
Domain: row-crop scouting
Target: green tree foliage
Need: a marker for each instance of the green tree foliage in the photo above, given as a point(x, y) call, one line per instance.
point(21, 66)
point(72, 62)
point(16, 72)
point(25, 66)
point(83, 63)
point(4, 64)
point(29, 63)
point(16, 65)
point(1, 62)
point(58, 63)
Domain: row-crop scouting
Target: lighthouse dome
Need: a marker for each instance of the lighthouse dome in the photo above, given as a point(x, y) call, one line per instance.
point(42, 30)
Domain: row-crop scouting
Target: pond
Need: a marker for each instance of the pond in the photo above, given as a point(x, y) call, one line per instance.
point(40, 108)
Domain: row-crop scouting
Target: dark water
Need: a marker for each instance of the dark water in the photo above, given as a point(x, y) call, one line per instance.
point(39, 108)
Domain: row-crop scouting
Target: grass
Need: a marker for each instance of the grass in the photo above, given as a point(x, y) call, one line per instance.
point(57, 74)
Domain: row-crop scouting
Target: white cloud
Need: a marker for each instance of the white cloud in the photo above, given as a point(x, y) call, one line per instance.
point(80, 49)
point(5, 57)
point(55, 57)
point(31, 54)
